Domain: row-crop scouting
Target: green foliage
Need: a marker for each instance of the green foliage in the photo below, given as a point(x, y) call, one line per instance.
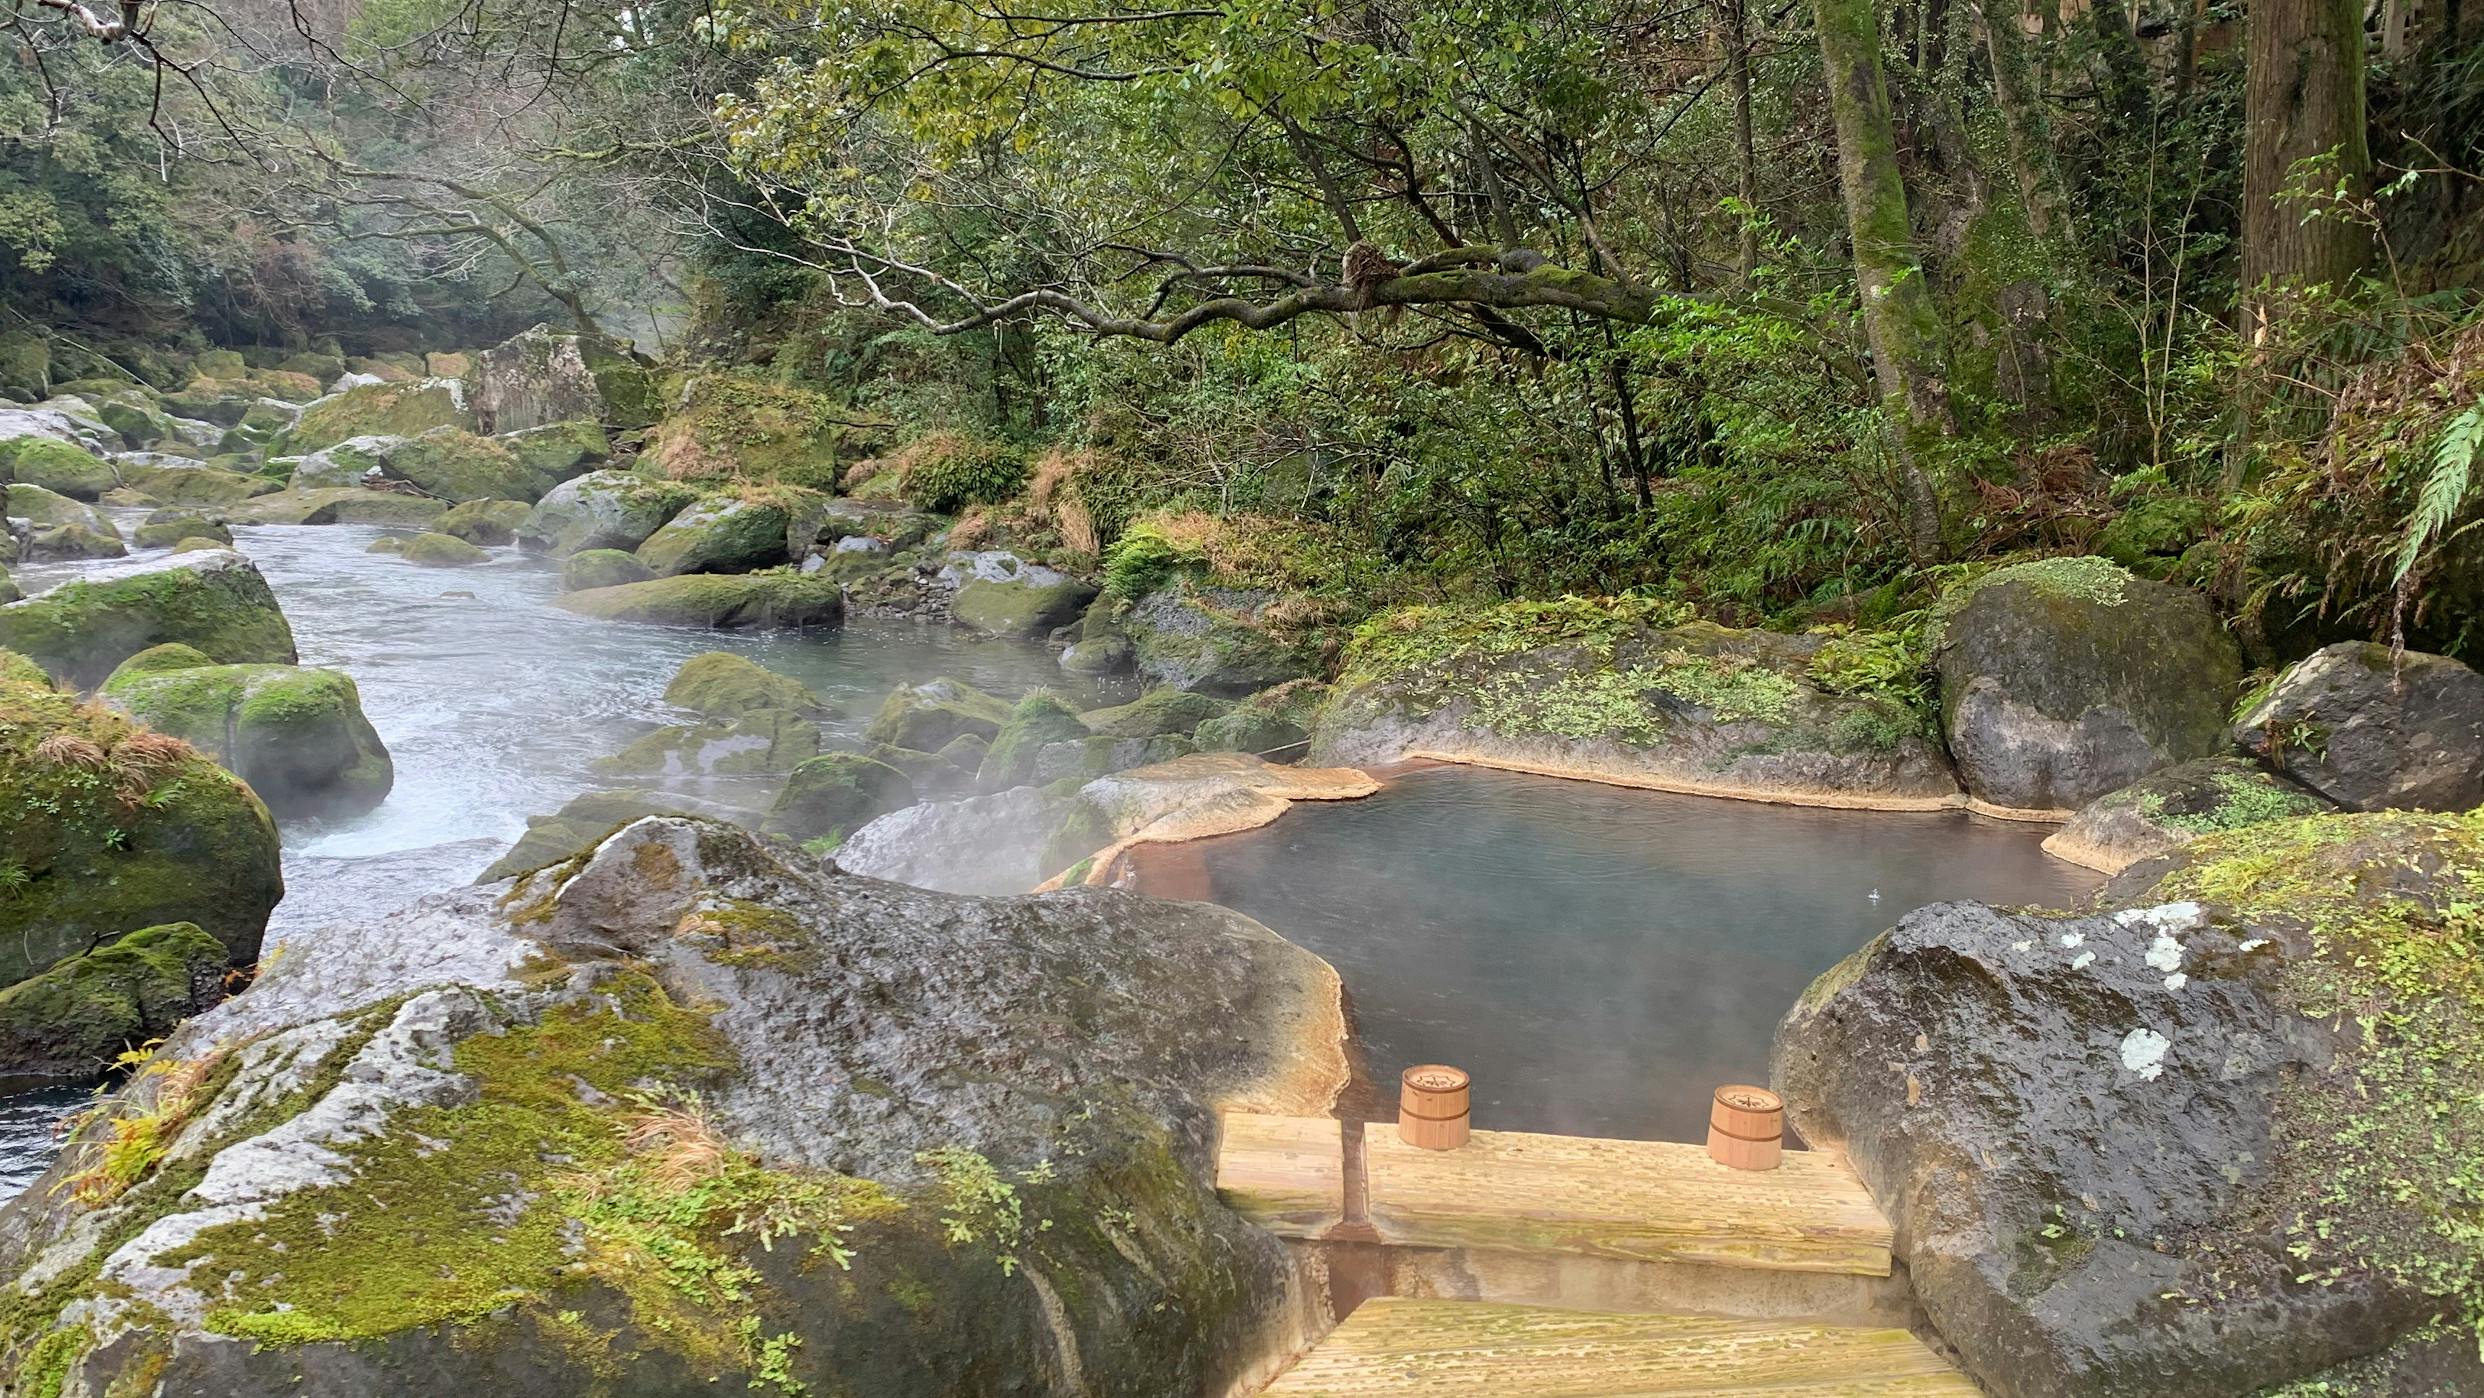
point(979, 1206)
point(1893, 662)
point(2445, 489)
point(947, 472)
point(1144, 560)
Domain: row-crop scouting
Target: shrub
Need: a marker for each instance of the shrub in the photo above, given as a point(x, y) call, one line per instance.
point(945, 472)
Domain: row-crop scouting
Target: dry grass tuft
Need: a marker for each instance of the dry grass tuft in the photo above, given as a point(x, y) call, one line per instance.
point(69, 750)
point(972, 530)
point(678, 1143)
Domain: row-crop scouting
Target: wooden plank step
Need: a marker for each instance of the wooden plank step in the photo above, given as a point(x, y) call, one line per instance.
point(1436, 1349)
point(1649, 1201)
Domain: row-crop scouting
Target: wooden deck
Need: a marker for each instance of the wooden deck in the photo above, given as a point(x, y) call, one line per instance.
point(1648, 1201)
point(1455, 1349)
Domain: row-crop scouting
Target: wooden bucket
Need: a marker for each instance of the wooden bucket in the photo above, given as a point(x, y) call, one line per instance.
point(1431, 1106)
point(1746, 1128)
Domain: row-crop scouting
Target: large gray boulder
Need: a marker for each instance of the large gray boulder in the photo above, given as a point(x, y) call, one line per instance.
point(2373, 729)
point(2203, 1144)
point(1001, 594)
point(602, 510)
point(1211, 640)
point(213, 600)
point(686, 1116)
point(726, 533)
point(539, 377)
point(778, 600)
point(2067, 678)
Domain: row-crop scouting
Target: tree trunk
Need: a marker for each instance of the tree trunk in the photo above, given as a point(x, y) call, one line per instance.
point(1736, 35)
point(2125, 89)
point(2302, 97)
point(1899, 318)
point(2023, 121)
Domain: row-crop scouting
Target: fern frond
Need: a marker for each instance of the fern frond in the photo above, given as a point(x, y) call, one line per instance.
point(2445, 489)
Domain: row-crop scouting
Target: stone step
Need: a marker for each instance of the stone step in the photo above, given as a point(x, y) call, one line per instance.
point(1643, 1201)
point(1454, 1349)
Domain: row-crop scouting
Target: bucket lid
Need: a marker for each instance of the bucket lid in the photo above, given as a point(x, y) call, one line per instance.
point(1435, 1077)
point(1750, 1099)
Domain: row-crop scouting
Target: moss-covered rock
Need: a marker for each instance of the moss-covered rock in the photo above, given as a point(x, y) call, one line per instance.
point(602, 510)
point(443, 551)
point(926, 716)
point(1158, 711)
point(539, 377)
point(140, 423)
point(197, 484)
point(738, 533)
point(60, 542)
point(106, 828)
point(165, 528)
point(738, 427)
point(59, 467)
point(601, 568)
point(721, 684)
point(830, 797)
point(350, 506)
point(9, 590)
point(760, 742)
point(1000, 594)
point(2067, 678)
point(44, 507)
point(347, 465)
point(1039, 720)
point(379, 410)
point(1212, 640)
point(2202, 1143)
point(2150, 535)
point(490, 522)
point(215, 601)
point(86, 1011)
point(2372, 729)
point(559, 450)
point(453, 464)
point(733, 601)
point(2173, 806)
point(297, 735)
point(386, 543)
point(584, 822)
point(25, 366)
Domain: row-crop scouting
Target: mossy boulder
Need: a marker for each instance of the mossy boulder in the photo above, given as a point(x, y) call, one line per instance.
point(443, 551)
point(165, 528)
point(379, 410)
point(106, 828)
point(2170, 807)
point(386, 543)
point(721, 684)
point(1039, 720)
point(43, 507)
point(602, 510)
point(131, 991)
point(350, 506)
point(9, 590)
point(778, 600)
point(2150, 535)
point(926, 716)
point(1628, 690)
point(758, 742)
point(2372, 729)
point(347, 465)
point(586, 821)
point(61, 542)
point(1158, 711)
point(489, 522)
point(559, 450)
point(450, 463)
point(458, 1169)
point(1001, 594)
point(214, 601)
point(601, 568)
point(197, 484)
point(297, 735)
point(539, 377)
point(830, 797)
point(1211, 640)
point(60, 467)
point(25, 366)
point(727, 534)
point(739, 427)
point(139, 422)
point(2143, 1151)
point(2065, 679)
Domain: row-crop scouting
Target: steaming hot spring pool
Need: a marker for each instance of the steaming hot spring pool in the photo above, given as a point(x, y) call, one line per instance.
point(1600, 959)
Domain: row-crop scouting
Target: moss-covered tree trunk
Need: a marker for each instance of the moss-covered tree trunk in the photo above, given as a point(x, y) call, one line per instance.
point(1899, 317)
point(2302, 98)
point(2023, 120)
point(1734, 35)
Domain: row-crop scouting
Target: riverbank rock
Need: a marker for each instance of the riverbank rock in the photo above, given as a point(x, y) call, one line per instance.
point(1626, 692)
point(1154, 714)
point(2067, 678)
point(1209, 639)
point(588, 820)
point(1014, 755)
point(740, 1124)
point(927, 717)
point(2171, 807)
point(379, 410)
point(212, 600)
point(1273, 721)
point(601, 568)
point(195, 483)
point(758, 742)
point(165, 528)
point(106, 828)
point(60, 467)
point(348, 465)
point(1001, 594)
point(733, 533)
point(88, 1009)
point(743, 428)
point(9, 591)
point(721, 684)
point(538, 377)
point(297, 735)
point(485, 522)
point(453, 464)
point(72, 543)
point(342, 506)
point(2142, 1152)
point(50, 508)
point(833, 795)
point(602, 510)
point(2372, 729)
point(730, 601)
point(442, 551)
